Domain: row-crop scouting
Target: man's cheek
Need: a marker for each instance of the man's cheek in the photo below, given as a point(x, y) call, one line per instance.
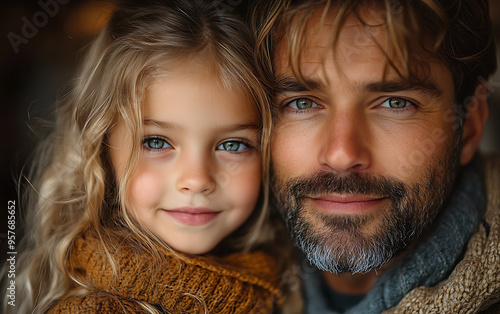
point(294, 153)
point(419, 153)
point(408, 148)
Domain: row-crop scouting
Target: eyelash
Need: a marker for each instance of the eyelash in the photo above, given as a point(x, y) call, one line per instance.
point(287, 107)
point(412, 106)
point(236, 140)
point(149, 138)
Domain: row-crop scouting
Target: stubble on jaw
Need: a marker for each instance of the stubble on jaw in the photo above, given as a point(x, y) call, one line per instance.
point(341, 243)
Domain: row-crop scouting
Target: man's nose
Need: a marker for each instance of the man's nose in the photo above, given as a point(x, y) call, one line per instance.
point(195, 175)
point(346, 142)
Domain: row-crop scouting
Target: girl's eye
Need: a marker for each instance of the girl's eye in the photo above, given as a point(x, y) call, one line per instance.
point(155, 143)
point(396, 102)
point(232, 146)
point(302, 103)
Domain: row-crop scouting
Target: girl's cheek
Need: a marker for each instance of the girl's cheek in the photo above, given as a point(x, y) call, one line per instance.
point(145, 189)
point(246, 185)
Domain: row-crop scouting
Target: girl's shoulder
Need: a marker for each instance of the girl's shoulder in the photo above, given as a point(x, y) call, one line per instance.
point(97, 302)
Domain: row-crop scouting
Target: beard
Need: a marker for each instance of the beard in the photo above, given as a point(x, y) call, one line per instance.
point(340, 243)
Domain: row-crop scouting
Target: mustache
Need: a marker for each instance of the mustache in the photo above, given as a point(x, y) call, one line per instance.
point(324, 182)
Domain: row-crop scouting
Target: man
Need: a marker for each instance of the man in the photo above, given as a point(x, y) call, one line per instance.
point(380, 108)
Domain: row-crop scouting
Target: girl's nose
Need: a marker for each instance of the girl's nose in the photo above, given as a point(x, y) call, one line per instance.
point(195, 176)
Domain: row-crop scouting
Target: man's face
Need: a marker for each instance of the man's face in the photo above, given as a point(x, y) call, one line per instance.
point(362, 164)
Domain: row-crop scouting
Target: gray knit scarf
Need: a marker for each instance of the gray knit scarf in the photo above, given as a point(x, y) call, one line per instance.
point(430, 262)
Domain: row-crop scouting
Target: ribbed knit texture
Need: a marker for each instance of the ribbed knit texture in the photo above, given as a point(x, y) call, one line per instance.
point(428, 280)
point(239, 283)
point(474, 284)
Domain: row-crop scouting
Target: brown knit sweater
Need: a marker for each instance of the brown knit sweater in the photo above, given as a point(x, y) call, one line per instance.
point(239, 283)
point(474, 285)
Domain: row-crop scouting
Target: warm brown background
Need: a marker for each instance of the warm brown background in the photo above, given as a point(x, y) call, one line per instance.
point(31, 79)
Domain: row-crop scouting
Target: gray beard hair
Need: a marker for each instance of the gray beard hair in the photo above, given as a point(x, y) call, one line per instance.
point(336, 259)
point(338, 244)
point(348, 250)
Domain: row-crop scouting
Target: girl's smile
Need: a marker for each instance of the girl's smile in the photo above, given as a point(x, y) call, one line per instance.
point(193, 216)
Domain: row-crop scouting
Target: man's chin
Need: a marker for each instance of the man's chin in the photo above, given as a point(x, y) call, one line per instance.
point(346, 244)
point(343, 252)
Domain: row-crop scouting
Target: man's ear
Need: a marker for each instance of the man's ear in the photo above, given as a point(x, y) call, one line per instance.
point(475, 119)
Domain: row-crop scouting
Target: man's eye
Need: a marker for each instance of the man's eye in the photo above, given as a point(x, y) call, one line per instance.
point(396, 102)
point(155, 143)
point(302, 103)
point(233, 146)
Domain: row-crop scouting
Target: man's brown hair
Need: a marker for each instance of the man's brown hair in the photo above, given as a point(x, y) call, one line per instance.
point(456, 33)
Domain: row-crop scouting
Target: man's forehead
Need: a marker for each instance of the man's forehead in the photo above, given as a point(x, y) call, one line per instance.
point(358, 60)
point(319, 38)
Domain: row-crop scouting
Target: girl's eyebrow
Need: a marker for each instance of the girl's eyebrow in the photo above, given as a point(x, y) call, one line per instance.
point(237, 127)
point(161, 124)
point(224, 128)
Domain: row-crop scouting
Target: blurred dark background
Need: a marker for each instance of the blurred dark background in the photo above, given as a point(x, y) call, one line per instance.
point(40, 46)
point(39, 49)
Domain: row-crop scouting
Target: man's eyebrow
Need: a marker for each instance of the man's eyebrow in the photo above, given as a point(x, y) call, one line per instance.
point(425, 87)
point(290, 84)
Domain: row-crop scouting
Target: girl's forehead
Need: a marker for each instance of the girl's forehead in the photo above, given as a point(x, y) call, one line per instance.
point(204, 66)
point(199, 89)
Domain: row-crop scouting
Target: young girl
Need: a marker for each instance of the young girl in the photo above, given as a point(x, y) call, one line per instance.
point(154, 162)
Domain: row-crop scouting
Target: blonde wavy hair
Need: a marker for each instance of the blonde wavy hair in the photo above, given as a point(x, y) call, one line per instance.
point(456, 33)
point(72, 185)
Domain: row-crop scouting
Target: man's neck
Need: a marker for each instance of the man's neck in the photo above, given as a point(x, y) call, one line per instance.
point(350, 284)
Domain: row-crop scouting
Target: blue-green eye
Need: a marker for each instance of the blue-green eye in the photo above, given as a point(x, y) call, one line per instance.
point(302, 103)
point(155, 143)
point(232, 146)
point(396, 103)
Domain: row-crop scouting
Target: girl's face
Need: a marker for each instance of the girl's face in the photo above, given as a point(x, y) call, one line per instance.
point(199, 175)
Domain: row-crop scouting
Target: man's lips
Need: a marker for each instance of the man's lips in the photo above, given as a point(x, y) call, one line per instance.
point(192, 216)
point(348, 203)
point(348, 198)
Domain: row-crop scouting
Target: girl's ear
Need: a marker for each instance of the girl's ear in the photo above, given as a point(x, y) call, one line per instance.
point(475, 119)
